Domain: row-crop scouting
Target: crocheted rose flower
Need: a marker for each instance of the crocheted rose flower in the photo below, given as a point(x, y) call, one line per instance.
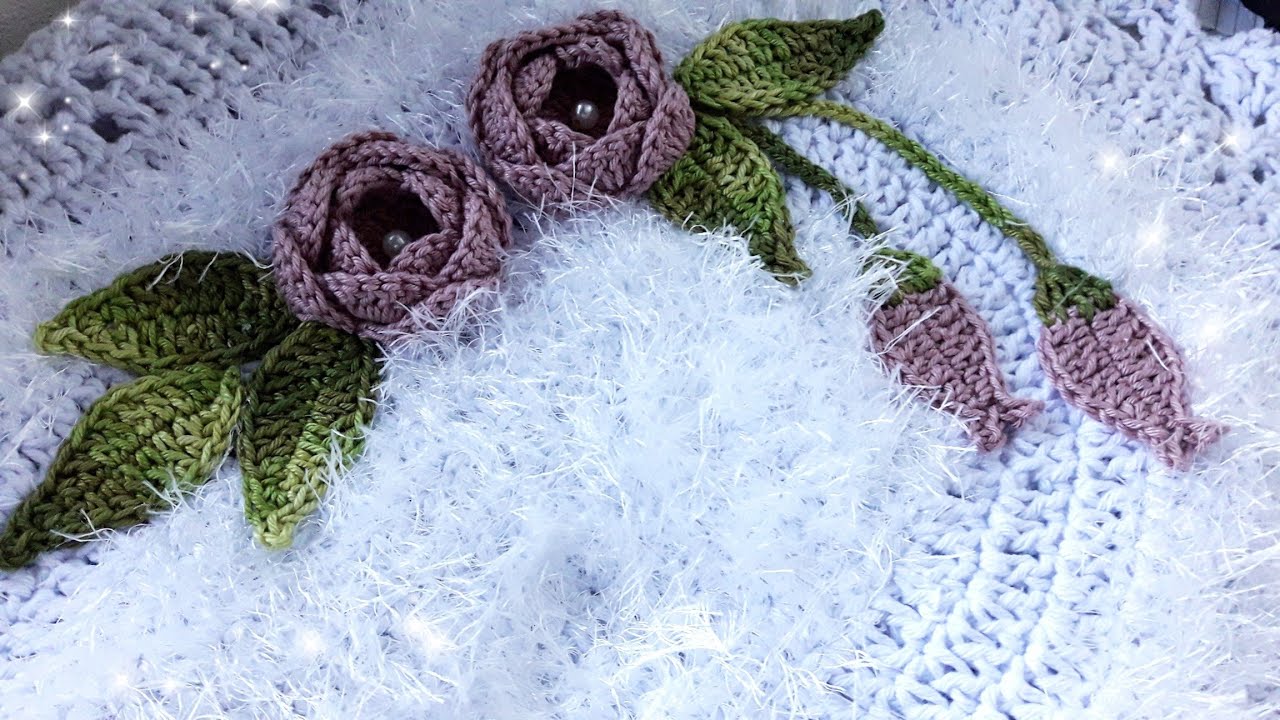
point(376, 228)
point(563, 112)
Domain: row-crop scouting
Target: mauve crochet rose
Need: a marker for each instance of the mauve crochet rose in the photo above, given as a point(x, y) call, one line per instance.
point(377, 227)
point(585, 108)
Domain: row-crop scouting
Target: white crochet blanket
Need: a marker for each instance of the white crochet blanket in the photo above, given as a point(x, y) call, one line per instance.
point(660, 484)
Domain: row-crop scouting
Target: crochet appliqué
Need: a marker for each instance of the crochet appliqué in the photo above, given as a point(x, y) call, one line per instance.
point(925, 331)
point(160, 434)
point(1093, 340)
point(374, 229)
point(379, 234)
point(187, 324)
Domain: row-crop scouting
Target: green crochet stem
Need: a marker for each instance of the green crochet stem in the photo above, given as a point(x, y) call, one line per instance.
point(1059, 287)
point(987, 207)
point(917, 273)
point(813, 175)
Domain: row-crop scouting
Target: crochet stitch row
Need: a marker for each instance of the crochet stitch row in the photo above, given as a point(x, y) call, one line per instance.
point(308, 399)
point(195, 308)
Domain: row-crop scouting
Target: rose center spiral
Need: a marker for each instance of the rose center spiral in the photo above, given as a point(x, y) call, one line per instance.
point(582, 98)
point(390, 211)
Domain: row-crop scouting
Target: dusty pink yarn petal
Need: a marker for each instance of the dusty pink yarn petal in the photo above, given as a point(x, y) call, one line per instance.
point(330, 261)
point(593, 50)
point(379, 297)
point(532, 83)
point(645, 124)
point(937, 342)
point(660, 151)
point(556, 142)
point(348, 253)
point(477, 256)
point(1121, 369)
point(632, 106)
point(429, 253)
point(450, 295)
point(612, 160)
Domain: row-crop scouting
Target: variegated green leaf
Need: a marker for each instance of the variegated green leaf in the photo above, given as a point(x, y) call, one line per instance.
point(726, 179)
point(309, 400)
point(140, 445)
point(753, 66)
point(197, 307)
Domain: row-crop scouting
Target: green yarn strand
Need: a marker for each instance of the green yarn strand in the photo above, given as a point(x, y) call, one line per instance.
point(1059, 287)
point(987, 207)
point(726, 179)
point(140, 444)
point(754, 66)
point(913, 273)
point(309, 401)
point(812, 174)
point(197, 307)
point(1063, 287)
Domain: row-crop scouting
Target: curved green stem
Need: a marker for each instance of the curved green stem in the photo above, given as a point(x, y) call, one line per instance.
point(917, 273)
point(990, 209)
point(814, 175)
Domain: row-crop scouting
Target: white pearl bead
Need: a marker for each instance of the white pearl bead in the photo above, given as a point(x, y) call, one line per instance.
point(585, 115)
point(394, 241)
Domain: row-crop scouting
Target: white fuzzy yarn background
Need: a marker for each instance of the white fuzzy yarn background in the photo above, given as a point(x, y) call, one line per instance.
point(660, 484)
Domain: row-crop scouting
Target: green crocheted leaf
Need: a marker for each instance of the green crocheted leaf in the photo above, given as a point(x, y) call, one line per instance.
point(751, 66)
point(726, 179)
point(1062, 287)
point(137, 446)
point(197, 307)
point(310, 398)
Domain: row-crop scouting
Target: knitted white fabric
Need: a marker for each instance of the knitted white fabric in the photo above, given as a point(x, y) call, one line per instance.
point(660, 484)
point(101, 90)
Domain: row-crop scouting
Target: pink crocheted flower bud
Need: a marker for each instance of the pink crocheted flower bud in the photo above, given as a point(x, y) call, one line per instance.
point(1121, 369)
point(586, 107)
point(377, 227)
point(939, 343)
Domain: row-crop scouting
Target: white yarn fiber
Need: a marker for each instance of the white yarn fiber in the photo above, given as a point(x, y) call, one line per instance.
point(655, 482)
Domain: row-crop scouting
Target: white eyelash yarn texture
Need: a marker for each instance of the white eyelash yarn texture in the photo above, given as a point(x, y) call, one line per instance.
point(657, 483)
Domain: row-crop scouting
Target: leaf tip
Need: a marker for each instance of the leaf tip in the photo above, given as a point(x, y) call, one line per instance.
point(13, 556)
point(273, 539)
point(43, 337)
point(872, 20)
